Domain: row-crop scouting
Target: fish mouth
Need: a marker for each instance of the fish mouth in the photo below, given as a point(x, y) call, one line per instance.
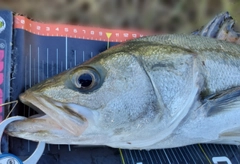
point(68, 116)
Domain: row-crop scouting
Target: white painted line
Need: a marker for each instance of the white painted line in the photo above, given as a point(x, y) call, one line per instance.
point(57, 60)
point(233, 153)
point(150, 156)
point(66, 52)
point(30, 64)
point(38, 65)
point(190, 154)
point(47, 62)
point(75, 57)
point(197, 153)
point(34, 71)
point(83, 56)
point(167, 156)
point(30, 83)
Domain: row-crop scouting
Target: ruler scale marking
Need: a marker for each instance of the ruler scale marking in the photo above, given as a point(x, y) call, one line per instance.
point(158, 156)
point(47, 64)
point(199, 156)
point(140, 154)
point(57, 60)
point(75, 57)
point(233, 153)
point(174, 155)
point(166, 156)
point(190, 154)
point(182, 155)
point(38, 65)
point(66, 53)
point(126, 156)
point(150, 156)
point(163, 155)
point(131, 156)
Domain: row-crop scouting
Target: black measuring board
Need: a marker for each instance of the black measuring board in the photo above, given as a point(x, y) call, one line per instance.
point(39, 57)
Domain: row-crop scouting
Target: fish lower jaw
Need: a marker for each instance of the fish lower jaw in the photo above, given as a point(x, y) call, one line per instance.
point(70, 117)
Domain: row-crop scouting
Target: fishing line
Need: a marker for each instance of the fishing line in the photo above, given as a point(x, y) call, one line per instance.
point(121, 155)
point(9, 103)
point(204, 154)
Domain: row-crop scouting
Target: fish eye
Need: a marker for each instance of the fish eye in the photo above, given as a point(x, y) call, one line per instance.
point(86, 79)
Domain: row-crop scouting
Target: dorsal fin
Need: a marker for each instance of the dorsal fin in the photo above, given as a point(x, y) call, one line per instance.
point(220, 27)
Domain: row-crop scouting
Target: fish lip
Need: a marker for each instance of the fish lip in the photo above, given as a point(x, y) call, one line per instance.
point(61, 113)
point(24, 99)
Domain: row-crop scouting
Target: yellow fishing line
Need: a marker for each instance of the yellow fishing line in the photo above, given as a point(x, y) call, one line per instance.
point(123, 162)
point(205, 154)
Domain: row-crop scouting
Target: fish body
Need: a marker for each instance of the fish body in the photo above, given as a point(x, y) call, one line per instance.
point(153, 92)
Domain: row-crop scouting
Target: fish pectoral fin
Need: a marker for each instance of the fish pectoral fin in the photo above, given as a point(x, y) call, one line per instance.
point(231, 133)
point(231, 136)
point(223, 101)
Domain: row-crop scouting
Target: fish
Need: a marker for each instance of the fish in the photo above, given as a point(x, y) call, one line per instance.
point(153, 92)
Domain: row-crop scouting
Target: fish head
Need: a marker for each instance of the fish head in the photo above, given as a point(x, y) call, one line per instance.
point(106, 100)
